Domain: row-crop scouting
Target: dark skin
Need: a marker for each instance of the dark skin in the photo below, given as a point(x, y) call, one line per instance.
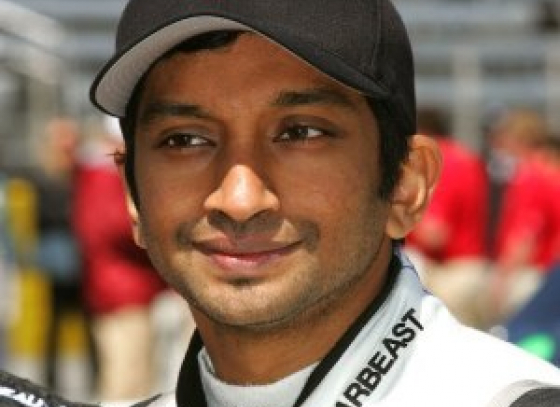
point(258, 185)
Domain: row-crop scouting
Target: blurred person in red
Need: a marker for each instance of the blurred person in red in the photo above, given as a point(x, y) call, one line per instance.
point(512, 137)
point(450, 238)
point(58, 254)
point(120, 283)
point(528, 237)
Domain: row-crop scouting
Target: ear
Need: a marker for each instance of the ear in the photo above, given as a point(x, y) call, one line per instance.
point(419, 175)
point(130, 205)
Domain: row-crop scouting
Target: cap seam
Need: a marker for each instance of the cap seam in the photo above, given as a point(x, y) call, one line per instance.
point(375, 55)
point(375, 49)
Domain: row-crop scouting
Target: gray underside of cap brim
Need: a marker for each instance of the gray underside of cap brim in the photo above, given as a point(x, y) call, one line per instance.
point(118, 82)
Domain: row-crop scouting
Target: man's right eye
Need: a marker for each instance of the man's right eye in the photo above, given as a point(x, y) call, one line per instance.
point(184, 140)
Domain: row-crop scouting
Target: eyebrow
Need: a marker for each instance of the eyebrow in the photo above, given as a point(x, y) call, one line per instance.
point(321, 96)
point(315, 96)
point(158, 109)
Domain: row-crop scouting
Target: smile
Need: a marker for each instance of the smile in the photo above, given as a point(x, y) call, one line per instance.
point(246, 261)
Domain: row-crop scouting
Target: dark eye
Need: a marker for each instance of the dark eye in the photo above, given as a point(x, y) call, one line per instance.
point(185, 140)
point(301, 133)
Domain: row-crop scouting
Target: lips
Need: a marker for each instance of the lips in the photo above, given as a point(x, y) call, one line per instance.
point(244, 258)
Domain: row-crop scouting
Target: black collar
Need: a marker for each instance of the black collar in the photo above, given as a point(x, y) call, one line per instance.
point(190, 393)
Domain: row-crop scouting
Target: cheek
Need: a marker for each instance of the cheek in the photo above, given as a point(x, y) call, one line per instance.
point(340, 199)
point(166, 199)
point(329, 185)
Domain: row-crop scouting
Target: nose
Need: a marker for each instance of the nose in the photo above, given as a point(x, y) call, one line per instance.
point(242, 194)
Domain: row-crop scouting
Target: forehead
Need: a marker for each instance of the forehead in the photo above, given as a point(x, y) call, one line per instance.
point(251, 60)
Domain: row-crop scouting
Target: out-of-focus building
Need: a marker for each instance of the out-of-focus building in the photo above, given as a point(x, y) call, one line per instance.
point(49, 51)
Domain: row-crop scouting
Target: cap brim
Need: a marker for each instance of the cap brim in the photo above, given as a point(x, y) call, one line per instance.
point(114, 85)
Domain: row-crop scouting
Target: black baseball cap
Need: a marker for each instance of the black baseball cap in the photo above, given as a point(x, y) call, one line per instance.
point(360, 43)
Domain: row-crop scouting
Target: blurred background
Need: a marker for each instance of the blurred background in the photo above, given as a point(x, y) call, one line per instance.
point(488, 88)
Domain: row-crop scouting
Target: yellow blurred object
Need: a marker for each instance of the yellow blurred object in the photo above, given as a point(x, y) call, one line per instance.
point(73, 339)
point(21, 209)
point(27, 335)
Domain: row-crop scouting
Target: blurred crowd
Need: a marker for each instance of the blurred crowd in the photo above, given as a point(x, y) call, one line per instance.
point(489, 246)
point(72, 232)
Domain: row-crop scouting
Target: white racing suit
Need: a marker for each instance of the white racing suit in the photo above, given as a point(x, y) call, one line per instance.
point(404, 350)
point(407, 350)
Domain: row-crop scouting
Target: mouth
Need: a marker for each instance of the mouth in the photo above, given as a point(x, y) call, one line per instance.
point(244, 259)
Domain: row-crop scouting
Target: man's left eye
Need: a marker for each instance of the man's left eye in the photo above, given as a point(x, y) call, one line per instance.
point(301, 133)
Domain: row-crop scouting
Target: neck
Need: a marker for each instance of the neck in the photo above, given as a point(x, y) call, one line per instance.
point(246, 356)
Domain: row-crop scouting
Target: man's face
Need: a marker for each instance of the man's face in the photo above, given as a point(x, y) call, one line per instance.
point(257, 180)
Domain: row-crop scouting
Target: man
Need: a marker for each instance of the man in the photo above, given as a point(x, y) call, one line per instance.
point(264, 190)
point(58, 253)
point(528, 233)
point(448, 245)
point(272, 194)
point(120, 284)
point(272, 171)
